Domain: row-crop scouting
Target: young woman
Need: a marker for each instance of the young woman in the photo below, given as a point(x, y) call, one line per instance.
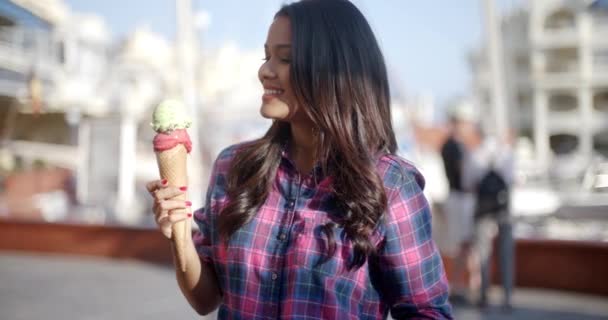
point(318, 219)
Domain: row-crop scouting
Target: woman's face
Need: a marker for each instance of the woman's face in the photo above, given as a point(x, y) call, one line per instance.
point(278, 101)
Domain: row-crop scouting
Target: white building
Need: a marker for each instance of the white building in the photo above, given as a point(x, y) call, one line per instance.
point(72, 97)
point(97, 95)
point(556, 70)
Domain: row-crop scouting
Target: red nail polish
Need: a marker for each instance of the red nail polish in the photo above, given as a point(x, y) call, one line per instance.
point(164, 182)
point(189, 215)
point(188, 203)
point(184, 188)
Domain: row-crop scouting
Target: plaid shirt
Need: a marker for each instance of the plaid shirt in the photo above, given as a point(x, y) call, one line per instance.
point(269, 269)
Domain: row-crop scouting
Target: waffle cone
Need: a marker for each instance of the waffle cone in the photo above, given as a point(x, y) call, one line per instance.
point(172, 166)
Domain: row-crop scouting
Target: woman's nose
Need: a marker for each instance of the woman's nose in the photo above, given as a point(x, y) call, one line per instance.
point(266, 71)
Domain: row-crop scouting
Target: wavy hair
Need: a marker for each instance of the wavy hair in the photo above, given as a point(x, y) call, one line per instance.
point(339, 78)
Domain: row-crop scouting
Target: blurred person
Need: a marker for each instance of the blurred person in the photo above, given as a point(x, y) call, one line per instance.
point(458, 207)
point(35, 92)
point(318, 218)
point(490, 173)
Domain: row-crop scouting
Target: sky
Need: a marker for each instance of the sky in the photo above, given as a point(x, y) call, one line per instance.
point(425, 43)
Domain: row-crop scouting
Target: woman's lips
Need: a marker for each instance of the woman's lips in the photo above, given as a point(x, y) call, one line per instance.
point(271, 93)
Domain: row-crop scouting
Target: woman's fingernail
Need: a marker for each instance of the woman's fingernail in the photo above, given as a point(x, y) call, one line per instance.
point(184, 188)
point(188, 203)
point(189, 215)
point(164, 182)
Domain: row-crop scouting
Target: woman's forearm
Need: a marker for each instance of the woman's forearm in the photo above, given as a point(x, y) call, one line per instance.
point(199, 282)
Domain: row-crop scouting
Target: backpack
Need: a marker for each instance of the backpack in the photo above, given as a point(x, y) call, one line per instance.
point(492, 195)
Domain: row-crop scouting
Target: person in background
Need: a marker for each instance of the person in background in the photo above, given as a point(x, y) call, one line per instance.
point(490, 172)
point(458, 208)
point(319, 218)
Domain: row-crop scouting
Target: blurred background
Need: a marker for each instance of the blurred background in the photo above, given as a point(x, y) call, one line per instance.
point(79, 80)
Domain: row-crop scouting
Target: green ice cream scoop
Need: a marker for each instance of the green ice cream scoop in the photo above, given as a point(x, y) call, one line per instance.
point(170, 115)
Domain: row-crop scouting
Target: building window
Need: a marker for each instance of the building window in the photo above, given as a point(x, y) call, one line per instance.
point(600, 101)
point(562, 102)
point(563, 143)
point(600, 143)
point(561, 19)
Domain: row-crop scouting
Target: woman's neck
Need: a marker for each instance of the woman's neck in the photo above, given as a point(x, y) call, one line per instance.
point(303, 146)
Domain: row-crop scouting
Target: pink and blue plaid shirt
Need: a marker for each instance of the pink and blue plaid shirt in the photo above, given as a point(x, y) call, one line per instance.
point(270, 268)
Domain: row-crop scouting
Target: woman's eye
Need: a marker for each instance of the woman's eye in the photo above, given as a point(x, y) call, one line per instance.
point(284, 60)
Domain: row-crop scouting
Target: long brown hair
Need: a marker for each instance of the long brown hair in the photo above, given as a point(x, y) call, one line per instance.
point(339, 77)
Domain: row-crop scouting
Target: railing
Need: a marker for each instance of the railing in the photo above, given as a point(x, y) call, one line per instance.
point(556, 38)
point(564, 122)
point(557, 64)
point(64, 156)
point(561, 80)
point(600, 71)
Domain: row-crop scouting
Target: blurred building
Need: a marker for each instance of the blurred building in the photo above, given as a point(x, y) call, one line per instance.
point(556, 72)
point(73, 98)
point(29, 60)
point(28, 54)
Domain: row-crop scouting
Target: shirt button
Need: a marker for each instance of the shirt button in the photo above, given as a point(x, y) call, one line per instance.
point(282, 237)
point(274, 276)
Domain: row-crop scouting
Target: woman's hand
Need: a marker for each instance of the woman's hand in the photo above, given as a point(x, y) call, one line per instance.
point(167, 210)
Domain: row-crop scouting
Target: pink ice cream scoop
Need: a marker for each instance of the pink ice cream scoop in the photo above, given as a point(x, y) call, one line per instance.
point(165, 141)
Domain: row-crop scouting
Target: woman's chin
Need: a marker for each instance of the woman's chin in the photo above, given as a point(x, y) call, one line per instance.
point(273, 112)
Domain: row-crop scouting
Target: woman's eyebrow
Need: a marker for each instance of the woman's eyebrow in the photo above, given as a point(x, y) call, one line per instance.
point(279, 46)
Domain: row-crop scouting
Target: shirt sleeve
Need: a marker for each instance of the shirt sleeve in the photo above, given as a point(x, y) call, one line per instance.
point(202, 237)
point(408, 266)
point(205, 217)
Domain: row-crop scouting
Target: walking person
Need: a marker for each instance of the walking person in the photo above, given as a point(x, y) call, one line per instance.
point(318, 219)
point(491, 170)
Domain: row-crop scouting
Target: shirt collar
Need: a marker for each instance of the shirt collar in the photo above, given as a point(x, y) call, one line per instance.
point(314, 177)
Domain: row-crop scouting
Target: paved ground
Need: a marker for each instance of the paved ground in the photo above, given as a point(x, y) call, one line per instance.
point(60, 287)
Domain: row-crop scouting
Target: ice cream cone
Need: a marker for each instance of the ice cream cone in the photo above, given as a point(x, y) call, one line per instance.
point(173, 167)
point(172, 145)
